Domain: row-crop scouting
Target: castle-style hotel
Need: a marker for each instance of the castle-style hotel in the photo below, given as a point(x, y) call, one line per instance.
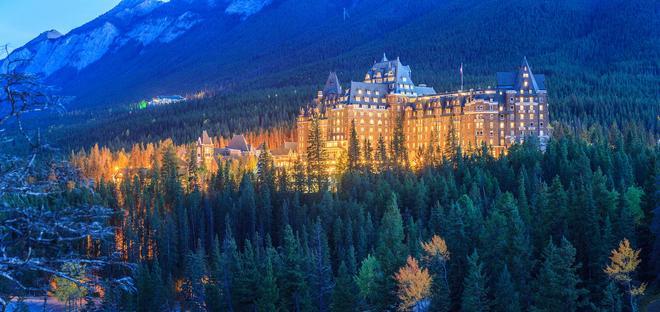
point(515, 109)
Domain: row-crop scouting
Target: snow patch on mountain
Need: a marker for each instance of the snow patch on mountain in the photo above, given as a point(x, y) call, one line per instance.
point(148, 31)
point(130, 8)
point(163, 29)
point(75, 50)
point(246, 8)
point(53, 34)
point(182, 24)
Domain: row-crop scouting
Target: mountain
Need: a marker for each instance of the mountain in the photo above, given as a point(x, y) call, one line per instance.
point(600, 57)
point(130, 23)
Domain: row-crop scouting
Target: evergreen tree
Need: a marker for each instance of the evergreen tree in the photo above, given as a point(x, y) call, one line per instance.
point(474, 286)
point(381, 154)
point(268, 293)
point(611, 299)
point(506, 297)
point(266, 168)
point(452, 143)
point(344, 297)
point(367, 155)
point(353, 149)
point(195, 272)
point(316, 157)
point(390, 249)
point(322, 271)
point(295, 293)
point(399, 150)
point(556, 286)
point(370, 281)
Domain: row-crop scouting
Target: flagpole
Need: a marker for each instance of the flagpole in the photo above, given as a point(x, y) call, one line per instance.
point(461, 76)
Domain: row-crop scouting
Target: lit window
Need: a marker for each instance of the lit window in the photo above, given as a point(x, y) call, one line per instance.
point(525, 83)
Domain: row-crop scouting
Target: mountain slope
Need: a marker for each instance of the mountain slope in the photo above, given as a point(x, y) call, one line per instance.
point(601, 58)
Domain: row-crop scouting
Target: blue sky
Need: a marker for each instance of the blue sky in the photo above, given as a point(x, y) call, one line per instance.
point(22, 20)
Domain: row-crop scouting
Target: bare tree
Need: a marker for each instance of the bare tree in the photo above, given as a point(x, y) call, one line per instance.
point(23, 93)
point(39, 229)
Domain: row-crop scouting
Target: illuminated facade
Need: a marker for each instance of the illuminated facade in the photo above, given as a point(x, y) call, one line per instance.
point(516, 109)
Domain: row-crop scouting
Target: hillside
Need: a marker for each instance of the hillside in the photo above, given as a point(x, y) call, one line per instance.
point(601, 59)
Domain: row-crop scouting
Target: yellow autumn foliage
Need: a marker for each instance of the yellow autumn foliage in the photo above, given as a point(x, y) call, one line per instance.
point(414, 284)
point(436, 247)
point(624, 262)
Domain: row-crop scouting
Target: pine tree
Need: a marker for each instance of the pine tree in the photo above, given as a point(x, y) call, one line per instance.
point(474, 286)
point(316, 157)
point(268, 293)
point(226, 265)
point(390, 248)
point(353, 149)
point(399, 150)
point(367, 155)
point(247, 208)
point(381, 154)
point(195, 272)
point(452, 143)
point(344, 297)
point(322, 271)
point(611, 299)
point(370, 282)
point(266, 169)
point(294, 289)
point(506, 297)
point(556, 286)
point(145, 291)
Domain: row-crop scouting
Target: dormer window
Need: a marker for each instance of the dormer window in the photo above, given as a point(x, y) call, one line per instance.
point(526, 75)
point(525, 83)
point(404, 79)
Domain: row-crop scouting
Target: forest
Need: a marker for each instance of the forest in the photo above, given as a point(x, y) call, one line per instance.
point(572, 228)
point(109, 211)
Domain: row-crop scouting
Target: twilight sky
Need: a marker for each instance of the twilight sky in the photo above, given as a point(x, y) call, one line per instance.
point(22, 20)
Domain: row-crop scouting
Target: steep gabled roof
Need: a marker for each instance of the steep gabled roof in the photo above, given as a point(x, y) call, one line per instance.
point(238, 142)
point(332, 85)
point(206, 139)
point(516, 80)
